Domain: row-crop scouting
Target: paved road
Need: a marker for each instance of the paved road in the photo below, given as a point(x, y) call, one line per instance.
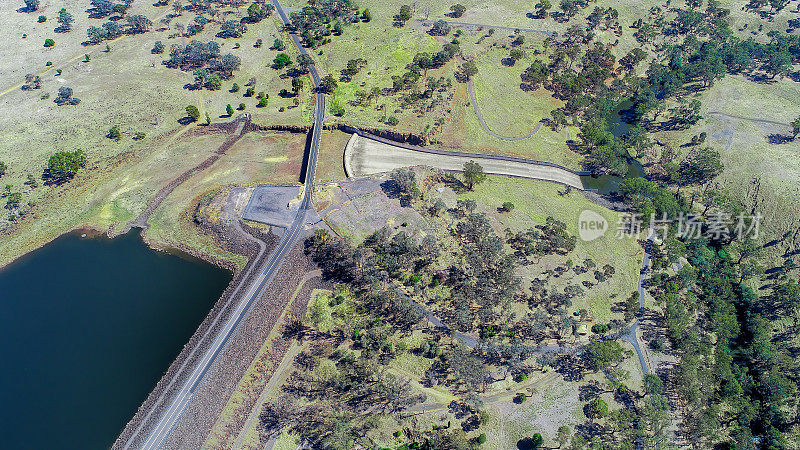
point(367, 155)
point(473, 98)
point(180, 401)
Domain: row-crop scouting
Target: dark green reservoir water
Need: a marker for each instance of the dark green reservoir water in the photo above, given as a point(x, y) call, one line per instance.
point(87, 328)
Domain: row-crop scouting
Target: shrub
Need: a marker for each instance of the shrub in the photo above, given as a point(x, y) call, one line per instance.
point(138, 136)
point(235, 88)
point(64, 165)
point(507, 206)
point(114, 133)
point(49, 42)
point(241, 107)
point(41, 19)
point(482, 438)
point(262, 102)
point(250, 92)
point(229, 109)
point(392, 120)
point(65, 96)
point(14, 200)
point(281, 61)
point(3, 168)
point(193, 113)
point(158, 48)
point(458, 10)
point(328, 84)
point(214, 82)
point(337, 109)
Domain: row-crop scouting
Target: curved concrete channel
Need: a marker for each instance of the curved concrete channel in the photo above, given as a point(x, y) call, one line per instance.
point(365, 155)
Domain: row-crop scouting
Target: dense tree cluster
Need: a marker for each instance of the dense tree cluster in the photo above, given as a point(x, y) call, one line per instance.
point(323, 18)
point(136, 24)
point(196, 54)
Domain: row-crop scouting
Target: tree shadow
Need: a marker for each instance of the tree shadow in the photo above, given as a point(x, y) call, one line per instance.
point(777, 138)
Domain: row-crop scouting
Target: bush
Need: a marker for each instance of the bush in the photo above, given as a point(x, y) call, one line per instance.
point(193, 113)
point(482, 438)
point(64, 165)
point(337, 109)
point(392, 120)
point(263, 102)
point(458, 10)
point(41, 19)
point(158, 48)
point(3, 168)
point(235, 88)
point(114, 133)
point(49, 42)
point(281, 61)
point(250, 92)
point(241, 107)
point(229, 109)
point(507, 206)
point(138, 136)
point(14, 200)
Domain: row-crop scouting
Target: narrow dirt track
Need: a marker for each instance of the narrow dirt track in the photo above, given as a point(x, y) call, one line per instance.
point(240, 123)
point(477, 109)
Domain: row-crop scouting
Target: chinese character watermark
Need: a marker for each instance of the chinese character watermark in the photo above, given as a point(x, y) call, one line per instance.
point(716, 226)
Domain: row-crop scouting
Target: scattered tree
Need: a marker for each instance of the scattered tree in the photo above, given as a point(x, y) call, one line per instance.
point(473, 174)
point(65, 20)
point(281, 61)
point(31, 5)
point(458, 10)
point(404, 15)
point(328, 84)
point(65, 97)
point(193, 113)
point(114, 133)
point(440, 28)
point(62, 166)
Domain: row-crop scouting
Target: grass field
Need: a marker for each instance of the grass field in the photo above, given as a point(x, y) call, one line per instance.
point(255, 158)
point(536, 200)
point(744, 143)
point(127, 87)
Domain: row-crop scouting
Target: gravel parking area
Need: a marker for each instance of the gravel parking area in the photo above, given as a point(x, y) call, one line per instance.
point(273, 205)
